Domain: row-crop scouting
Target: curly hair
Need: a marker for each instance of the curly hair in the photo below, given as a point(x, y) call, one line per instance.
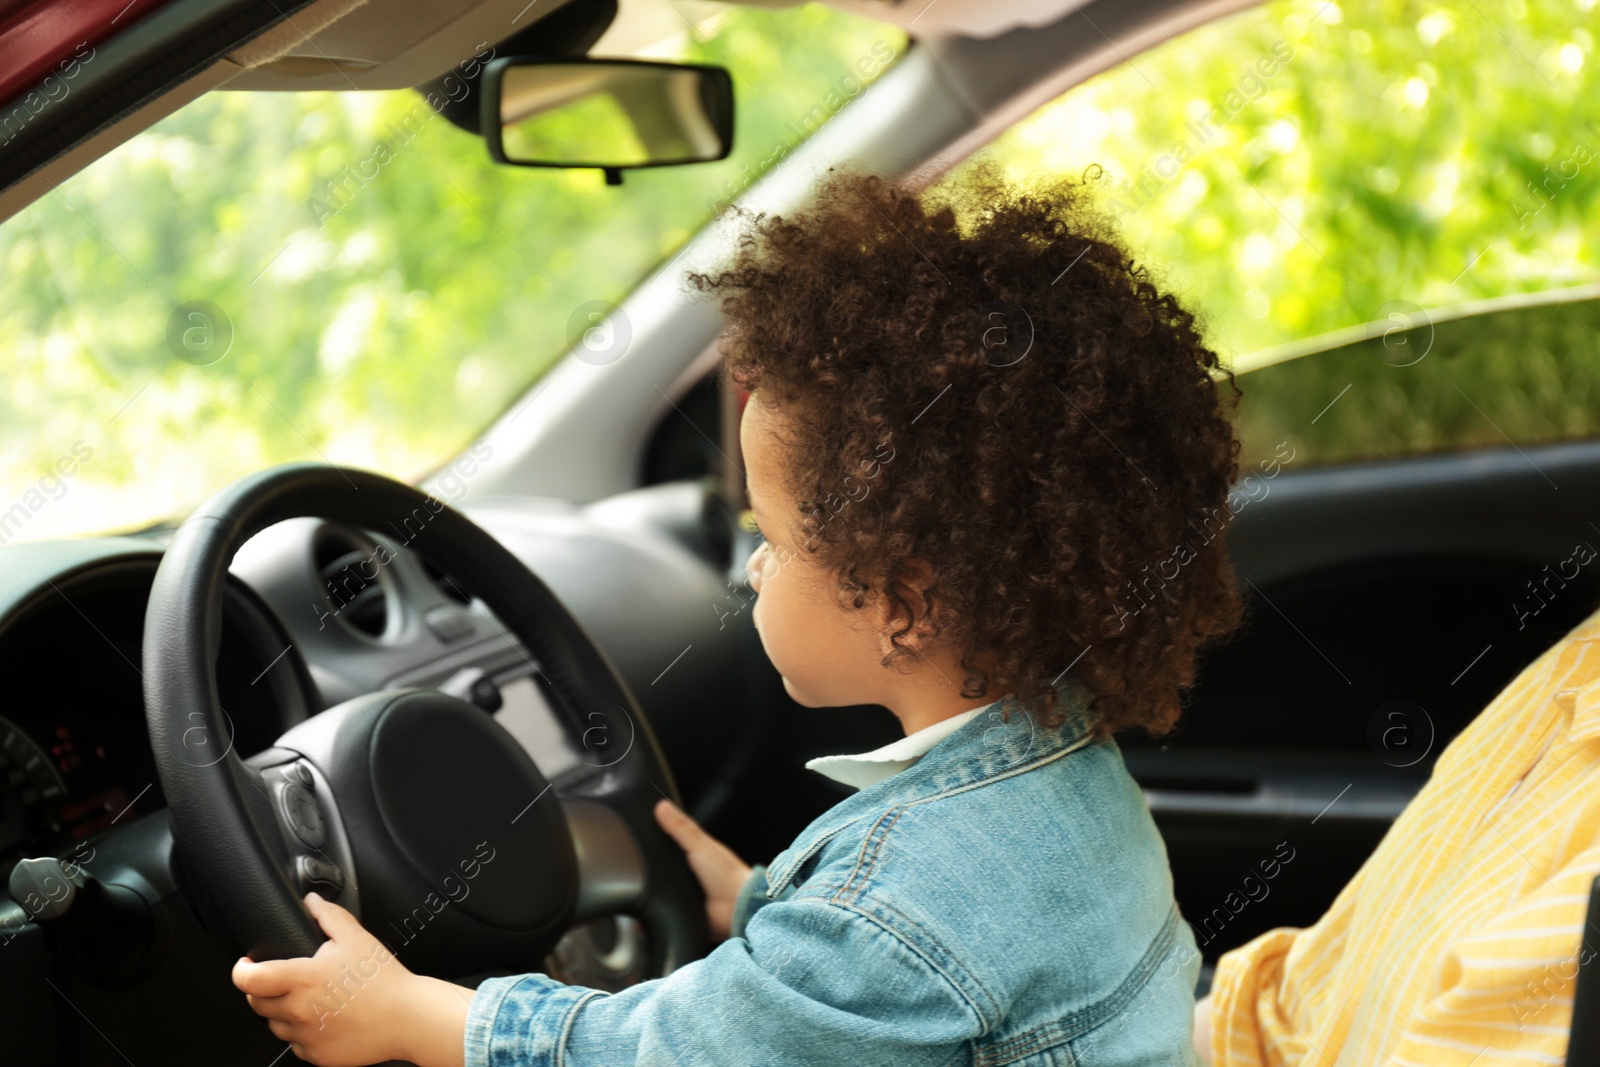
point(1055, 429)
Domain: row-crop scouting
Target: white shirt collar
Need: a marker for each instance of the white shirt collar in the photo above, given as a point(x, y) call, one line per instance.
point(866, 768)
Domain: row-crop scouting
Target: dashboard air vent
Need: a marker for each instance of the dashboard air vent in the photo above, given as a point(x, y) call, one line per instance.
point(353, 580)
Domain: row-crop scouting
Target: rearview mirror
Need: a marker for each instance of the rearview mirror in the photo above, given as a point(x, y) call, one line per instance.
point(605, 113)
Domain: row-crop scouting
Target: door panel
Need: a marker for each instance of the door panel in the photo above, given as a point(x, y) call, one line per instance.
point(1314, 724)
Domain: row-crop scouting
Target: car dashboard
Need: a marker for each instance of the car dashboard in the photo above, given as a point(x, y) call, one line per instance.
point(311, 618)
point(74, 749)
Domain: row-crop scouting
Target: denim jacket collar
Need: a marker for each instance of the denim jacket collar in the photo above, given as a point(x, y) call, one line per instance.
point(983, 748)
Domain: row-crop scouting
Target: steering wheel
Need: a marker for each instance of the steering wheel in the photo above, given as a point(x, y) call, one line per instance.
point(415, 810)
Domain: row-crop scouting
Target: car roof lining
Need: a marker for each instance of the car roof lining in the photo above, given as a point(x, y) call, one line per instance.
point(366, 45)
point(293, 32)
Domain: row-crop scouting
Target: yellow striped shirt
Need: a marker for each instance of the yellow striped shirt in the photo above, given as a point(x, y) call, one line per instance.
point(1458, 941)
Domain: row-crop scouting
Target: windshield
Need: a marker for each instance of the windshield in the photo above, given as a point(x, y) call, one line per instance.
point(264, 277)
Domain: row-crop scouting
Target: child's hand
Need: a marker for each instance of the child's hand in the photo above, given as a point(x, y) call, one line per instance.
point(354, 1002)
point(721, 873)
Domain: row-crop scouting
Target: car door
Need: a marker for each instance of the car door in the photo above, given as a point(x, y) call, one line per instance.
point(1445, 541)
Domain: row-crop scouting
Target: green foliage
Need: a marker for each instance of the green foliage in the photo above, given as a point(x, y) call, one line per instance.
point(1529, 376)
point(390, 290)
point(1304, 166)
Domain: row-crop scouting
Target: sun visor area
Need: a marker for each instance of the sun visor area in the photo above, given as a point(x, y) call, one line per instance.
point(378, 44)
point(294, 33)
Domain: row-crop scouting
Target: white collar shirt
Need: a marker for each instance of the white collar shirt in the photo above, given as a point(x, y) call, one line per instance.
point(866, 768)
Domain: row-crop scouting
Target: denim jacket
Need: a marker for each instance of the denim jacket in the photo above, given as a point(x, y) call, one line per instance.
point(1004, 900)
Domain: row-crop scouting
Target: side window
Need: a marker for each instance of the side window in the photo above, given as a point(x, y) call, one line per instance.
point(1302, 169)
point(1424, 383)
point(686, 442)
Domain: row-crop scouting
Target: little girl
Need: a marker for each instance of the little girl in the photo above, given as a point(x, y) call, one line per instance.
point(975, 437)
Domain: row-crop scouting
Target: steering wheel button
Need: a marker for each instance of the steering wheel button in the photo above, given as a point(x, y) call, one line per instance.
point(300, 808)
point(302, 771)
point(313, 870)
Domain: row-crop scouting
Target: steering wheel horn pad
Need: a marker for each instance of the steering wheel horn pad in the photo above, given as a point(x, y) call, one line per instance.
point(465, 855)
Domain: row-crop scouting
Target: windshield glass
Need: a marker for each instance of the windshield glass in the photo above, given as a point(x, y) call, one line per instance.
point(266, 277)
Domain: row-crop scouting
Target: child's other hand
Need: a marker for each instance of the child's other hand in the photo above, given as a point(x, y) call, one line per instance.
point(721, 873)
point(353, 1002)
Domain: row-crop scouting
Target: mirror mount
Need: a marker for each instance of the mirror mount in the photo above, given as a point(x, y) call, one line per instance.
point(570, 30)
